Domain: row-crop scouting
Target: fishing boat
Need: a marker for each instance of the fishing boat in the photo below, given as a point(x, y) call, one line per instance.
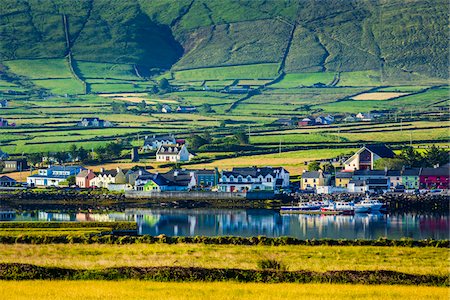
point(302, 207)
point(370, 205)
point(344, 208)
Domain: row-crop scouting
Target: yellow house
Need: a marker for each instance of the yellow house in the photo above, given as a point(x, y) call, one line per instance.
point(313, 179)
point(342, 179)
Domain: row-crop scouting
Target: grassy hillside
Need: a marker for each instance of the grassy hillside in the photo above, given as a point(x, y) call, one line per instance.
point(389, 37)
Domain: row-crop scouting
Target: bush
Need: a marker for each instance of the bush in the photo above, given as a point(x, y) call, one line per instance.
point(271, 264)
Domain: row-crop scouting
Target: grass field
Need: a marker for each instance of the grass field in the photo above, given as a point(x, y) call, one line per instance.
point(312, 258)
point(40, 68)
point(130, 289)
point(304, 79)
point(257, 71)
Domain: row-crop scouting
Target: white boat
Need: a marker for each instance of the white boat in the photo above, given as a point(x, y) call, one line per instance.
point(302, 206)
point(369, 204)
point(345, 208)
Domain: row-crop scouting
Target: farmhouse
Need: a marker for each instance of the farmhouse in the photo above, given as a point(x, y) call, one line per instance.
point(254, 179)
point(172, 153)
point(166, 109)
point(364, 117)
point(94, 122)
point(52, 176)
point(365, 157)
point(6, 181)
point(306, 122)
point(3, 103)
point(154, 142)
point(83, 179)
point(186, 109)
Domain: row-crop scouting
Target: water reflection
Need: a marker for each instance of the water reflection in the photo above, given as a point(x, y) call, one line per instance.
point(253, 222)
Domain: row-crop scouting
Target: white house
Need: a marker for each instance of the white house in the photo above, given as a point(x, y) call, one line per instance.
point(172, 153)
point(166, 109)
point(364, 117)
point(254, 179)
point(154, 142)
point(105, 178)
point(52, 176)
point(365, 157)
point(94, 122)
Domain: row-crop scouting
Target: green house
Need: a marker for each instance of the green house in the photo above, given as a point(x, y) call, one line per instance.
point(152, 186)
point(410, 178)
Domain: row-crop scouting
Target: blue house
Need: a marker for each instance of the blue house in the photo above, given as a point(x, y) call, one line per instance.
point(52, 176)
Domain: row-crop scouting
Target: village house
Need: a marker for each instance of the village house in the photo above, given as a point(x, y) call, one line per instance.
point(313, 179)
point(410, 178)
point(174, 180)
point(166, 109)
point(6, 181)
point(15, 165)
point(3, 122)
point(349, 119)
point(284, 122)
point(342, 179)
point(154, 142)
point(394, 179)
point(3, 103)
point(173, 153)
point(151, 183)
point(186, 109)
point(365, 157)
point(364, 117)
point(306, 122)
point(321, 120)
point(254, 179)
point(107, 177)
point(204, 179)
point(94, 122)
point(53, 176)
point(132, 175)
point(435, 178)
point(83, 179)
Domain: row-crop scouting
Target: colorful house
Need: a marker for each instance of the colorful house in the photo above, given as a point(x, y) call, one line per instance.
point(173, 153)
point(434, 178)
point(410, 178)
point(342, 179)
point(106, 177)
point(52, 176)
point(313, 179)
point(254, 179)
point(83, 179)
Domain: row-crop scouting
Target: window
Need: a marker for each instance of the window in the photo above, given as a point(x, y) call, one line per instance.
point(269, 179)
point(239, 178)
point(314, 180)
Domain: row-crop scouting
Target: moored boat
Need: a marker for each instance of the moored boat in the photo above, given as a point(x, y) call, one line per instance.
point(345, 208)
point(370, 205)
point(301, 207)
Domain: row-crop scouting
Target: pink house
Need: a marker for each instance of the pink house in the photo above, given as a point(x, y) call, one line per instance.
point(83, 179)
point(435, 178)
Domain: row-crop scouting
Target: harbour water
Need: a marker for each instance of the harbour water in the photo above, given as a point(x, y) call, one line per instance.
point(254, 222)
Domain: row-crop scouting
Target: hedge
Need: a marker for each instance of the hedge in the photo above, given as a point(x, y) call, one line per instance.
point(32, 272)
point(112, 225)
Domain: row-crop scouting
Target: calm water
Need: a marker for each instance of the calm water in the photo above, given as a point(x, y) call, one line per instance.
point(253, 222)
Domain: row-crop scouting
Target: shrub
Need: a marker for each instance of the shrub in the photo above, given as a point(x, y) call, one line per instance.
point(271, 264)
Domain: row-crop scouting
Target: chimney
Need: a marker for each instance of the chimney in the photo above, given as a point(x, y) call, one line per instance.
point(175, 174)
point(140, 172)
point(102, 170)
point(118, 169)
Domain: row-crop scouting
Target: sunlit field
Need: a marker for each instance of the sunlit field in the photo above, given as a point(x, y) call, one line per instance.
point(130, 289)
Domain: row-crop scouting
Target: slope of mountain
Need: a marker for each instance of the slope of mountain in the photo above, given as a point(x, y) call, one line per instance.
point(395, 37)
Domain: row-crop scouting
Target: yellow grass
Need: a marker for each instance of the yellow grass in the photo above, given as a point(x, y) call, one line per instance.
point(131, 289)
point(311, 258)
point(378, 96)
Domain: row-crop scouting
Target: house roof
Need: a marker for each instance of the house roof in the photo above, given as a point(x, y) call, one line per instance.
point(344, 174)
point(156, 178)
point(381, 150)
point(441, 171)
point(411, 172)
point(376, 181)
point(66, 168)
point(177, 177)
point(393, 173)
point(158, 138)
point(312, 174)
point(169, 149)
point(369, 173)
point(84, 173)
point(90, 119)
point(6, 179)
point(254, 171)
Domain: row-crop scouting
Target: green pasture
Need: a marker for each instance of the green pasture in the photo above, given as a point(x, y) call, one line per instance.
point(40, 68)
point(257, 71)
point(61, 86)
point(106, 70)
point(294, 80)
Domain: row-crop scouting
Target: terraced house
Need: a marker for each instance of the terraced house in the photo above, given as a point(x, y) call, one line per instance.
point(108, 177)
point(254, 179)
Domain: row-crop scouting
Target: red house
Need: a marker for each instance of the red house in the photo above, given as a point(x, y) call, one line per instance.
point(435, 178)
point(83, 179)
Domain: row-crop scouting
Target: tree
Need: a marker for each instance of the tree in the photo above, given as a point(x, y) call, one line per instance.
point(164, 85)
point(206, 108)
point(196, 141)
point(435, 156)
point(389, 163)
point(241, 137)
point(100, 153)
point(61, 157)
point(314, 166)
point(71, 180)
point(34, 158)
point(142, 105)
point(83, 155)
point(159, 107)
point(113, 150)
point(327, 167)
point(119, 107)
point(411, 157)
point(73, 151)
point(2, 166)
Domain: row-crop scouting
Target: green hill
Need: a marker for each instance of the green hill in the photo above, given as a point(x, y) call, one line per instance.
point(396, 38)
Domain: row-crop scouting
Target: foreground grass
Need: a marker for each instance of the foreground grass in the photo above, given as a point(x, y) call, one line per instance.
point(423, 261)
point(131, 289)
